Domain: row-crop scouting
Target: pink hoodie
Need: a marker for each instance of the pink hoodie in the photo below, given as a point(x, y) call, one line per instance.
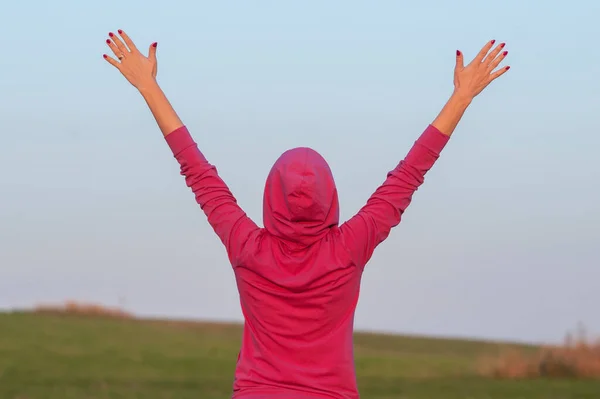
point(299, 276)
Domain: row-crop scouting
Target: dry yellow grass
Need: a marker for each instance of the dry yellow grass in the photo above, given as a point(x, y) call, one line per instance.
point(83, 309)
point(577, 358)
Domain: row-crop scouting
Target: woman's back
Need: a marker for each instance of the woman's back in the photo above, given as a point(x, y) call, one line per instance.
point(299, 316)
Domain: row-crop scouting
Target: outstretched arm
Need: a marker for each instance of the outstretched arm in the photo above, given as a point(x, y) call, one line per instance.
point(384, 209)
point(228, 220)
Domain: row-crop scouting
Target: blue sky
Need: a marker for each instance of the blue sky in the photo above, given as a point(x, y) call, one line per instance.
point(502, 240)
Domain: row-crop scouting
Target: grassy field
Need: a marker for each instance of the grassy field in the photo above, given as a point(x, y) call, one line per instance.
point(78, 357)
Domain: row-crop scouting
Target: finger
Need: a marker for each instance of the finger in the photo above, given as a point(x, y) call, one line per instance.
point(111, 61)
point(152, 51)
point(114, 49)
point(491, 56)
point(128, 41)
point(460, 63)
point(120, 45)
point(496, 61)
point(499, 73)
point(484, 51)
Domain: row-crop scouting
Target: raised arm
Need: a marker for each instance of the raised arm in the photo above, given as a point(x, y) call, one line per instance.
point(228, 220)
point(384, 209)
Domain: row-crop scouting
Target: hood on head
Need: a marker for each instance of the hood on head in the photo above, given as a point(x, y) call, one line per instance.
point(300, 202)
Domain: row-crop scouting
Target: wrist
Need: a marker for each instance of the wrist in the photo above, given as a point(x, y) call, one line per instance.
point(461, 99)
point(148, 87)
point(452, 112)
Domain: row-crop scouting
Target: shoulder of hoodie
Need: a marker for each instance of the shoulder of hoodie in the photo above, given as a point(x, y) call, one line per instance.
point(333, 242)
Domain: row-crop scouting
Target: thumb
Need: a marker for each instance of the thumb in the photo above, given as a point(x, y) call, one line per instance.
point(152, 51)
point(459, 60)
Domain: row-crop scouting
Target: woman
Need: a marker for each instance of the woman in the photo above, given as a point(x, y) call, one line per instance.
point(299, 276)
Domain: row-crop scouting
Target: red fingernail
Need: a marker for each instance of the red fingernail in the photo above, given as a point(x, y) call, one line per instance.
point(107, 41)
point(493, 41)
point(120, 31)
point(104, 55)
point(507, 68)
point(506, 52)
point(111, 34)
point(154, 44)
point(502, 45)
point(457, 52)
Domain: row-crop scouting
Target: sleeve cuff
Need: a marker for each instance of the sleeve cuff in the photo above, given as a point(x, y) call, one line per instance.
point(433, 139)
point(179, 140)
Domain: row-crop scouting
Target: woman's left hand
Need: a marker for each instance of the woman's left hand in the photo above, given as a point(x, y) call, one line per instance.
point(138, 69)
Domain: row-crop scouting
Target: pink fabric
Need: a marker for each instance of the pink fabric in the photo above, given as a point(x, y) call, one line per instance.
point(299, 276)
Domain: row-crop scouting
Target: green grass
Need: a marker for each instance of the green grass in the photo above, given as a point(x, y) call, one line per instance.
point(77, 357)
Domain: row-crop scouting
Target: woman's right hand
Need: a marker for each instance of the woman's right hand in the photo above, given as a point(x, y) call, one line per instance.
point(469, 81)
point(138, 69)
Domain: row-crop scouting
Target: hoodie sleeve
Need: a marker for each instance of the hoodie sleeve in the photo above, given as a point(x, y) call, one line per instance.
point(384, 209)
point(212, 194)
